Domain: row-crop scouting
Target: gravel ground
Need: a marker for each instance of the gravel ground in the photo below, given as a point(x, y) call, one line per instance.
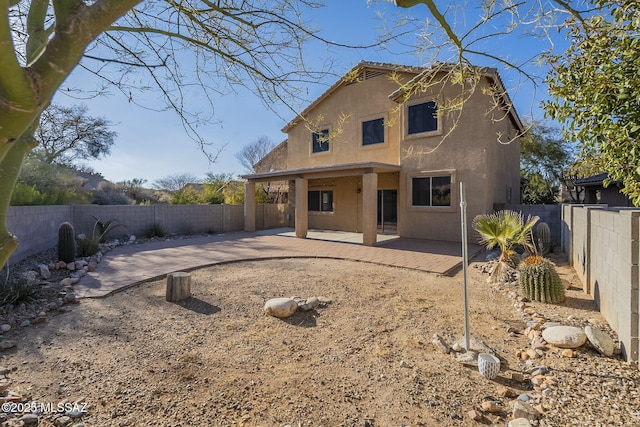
point(365, 359)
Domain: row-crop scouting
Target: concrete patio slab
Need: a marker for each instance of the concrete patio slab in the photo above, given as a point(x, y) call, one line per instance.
point(128, 265)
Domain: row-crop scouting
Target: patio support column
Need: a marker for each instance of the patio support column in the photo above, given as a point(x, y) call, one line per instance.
point(302, 207)
point(250, 206)
point(369, 209)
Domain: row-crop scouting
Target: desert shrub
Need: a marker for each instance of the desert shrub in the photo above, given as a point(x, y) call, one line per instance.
point(109, 194)
point(101, 228)
point(154, 230)
point(88, 247)
point(15, 289)
point(186, 196)
point(29, 195)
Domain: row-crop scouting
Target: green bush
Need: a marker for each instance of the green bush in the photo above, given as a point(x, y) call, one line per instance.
point(88, 247)
point(15, 289)
point(103, 227)
point(28, 195)
point(154, 230)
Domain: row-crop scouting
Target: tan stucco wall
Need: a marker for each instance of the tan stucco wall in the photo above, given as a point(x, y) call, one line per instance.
point(471, 153)
point(347, 201)
point(360, 101)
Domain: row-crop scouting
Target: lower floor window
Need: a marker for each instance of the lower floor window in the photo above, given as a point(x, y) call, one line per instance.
point(431, 191)
point(321, 201)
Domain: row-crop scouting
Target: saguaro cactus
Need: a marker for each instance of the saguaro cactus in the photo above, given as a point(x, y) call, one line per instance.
point(539, 280)
point(66, 243)
point(543, 238)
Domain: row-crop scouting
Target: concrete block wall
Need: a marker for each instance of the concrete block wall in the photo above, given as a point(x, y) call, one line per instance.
point(36, 228)
point(603, 245)
point(551, 214)
point(613, 273)
point(271, 216)
point(134, 219)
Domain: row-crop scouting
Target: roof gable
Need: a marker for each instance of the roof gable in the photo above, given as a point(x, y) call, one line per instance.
point(365, 70)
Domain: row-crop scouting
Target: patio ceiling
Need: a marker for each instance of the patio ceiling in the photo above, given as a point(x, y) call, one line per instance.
point(333, 171)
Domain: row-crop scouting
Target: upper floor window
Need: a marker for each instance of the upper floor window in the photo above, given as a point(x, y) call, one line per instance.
point(431, 191)
point(320, 201)
point(320, 141)
point(422, 118)
point(373, 132)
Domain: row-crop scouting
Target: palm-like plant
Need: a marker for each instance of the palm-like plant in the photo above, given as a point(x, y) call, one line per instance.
point(505, 229)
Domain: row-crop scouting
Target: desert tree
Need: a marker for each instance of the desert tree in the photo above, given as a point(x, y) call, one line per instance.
point(68, 134)
point(593, 83)
point(545, 155)
point(595, 88)
point(176, 182)
point(180, 47)
point(254, 151)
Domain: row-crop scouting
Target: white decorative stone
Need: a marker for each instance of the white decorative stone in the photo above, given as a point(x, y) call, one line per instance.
point(44, 271)
point(67, 281)
point(280, 307)
point(564, 336)
point(600, 340)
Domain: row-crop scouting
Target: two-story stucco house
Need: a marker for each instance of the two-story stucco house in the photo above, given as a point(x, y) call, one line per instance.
point(371, 154)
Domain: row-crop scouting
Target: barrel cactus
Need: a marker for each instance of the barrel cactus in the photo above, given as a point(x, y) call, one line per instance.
point(539, 280)
point(543, 238)
point(66, 243)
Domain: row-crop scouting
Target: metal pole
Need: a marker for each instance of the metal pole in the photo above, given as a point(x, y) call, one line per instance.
point(463, 221)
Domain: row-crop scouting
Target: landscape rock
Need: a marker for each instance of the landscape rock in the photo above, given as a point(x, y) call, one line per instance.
point(564, 336)
point(44, 271)
point(474, 415)
point(524, 410)
point(5, 327)
point(519, 422)
point(600, 340)
point(303, 306)
point(67, 281)
point(280, 307)
point(517, 377)
point(440, 343)
point(29, 419)
point(6, 344)
point(506, 391)
point(62, 421)
point(492, 407)
point(70, 297)
point(314, 302)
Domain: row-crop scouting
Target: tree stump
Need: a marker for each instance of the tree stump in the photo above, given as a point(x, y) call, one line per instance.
point(178, 286)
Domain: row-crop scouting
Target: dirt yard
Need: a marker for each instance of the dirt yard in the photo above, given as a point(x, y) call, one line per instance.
point(365, 359)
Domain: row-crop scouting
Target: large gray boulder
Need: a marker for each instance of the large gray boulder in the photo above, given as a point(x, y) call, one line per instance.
point(600, 340)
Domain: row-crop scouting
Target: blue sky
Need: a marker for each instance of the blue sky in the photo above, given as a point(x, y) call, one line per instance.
point(151, 145)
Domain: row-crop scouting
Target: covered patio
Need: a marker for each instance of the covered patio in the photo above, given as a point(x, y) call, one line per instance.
point(299, 179)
